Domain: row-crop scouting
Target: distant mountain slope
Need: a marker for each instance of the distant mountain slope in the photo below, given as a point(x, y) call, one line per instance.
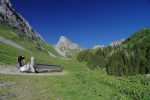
point(13, 19)
point(131, 57)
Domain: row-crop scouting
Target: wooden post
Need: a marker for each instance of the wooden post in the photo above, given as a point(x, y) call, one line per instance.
point(32, 61)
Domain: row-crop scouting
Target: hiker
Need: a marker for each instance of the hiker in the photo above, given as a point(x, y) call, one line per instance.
point(19, 61)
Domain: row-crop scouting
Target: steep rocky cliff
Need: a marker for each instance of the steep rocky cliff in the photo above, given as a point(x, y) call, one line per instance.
point(11, 18)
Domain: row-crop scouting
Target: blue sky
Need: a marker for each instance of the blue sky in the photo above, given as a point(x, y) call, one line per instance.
point(86, 22)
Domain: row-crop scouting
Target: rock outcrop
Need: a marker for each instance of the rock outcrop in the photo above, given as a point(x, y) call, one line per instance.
point(64, 43)
point(98, 46)
point(65, 47)
point(13, 19)
point(116, 43)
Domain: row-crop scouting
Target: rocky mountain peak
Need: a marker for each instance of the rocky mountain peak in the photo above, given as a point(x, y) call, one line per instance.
point(65, 46)
point(66, 43)
point(63, 39)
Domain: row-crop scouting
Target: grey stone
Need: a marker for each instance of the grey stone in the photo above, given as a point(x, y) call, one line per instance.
point(13, 19)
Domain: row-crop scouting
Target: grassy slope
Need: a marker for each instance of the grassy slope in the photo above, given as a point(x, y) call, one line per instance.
point(10, 53)
point(79, 84)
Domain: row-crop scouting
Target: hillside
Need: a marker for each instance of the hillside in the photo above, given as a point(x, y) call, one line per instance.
point(28, 47)
point(140, 38)
point(9, 53)
point(131, 57)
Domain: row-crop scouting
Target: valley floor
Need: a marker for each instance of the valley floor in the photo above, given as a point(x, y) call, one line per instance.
point(79, 83)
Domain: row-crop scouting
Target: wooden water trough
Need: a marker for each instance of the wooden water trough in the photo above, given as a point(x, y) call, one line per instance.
point(45, 67)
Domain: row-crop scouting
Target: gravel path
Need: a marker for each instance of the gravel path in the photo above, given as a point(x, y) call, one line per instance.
point(2, 39)
point(14, 71)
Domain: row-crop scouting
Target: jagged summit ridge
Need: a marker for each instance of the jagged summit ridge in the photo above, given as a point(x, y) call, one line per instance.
point(63, 38)
point(13, 19)
point(65, 43)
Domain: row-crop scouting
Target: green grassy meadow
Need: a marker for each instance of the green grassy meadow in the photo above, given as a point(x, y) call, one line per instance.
point(79, 83)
